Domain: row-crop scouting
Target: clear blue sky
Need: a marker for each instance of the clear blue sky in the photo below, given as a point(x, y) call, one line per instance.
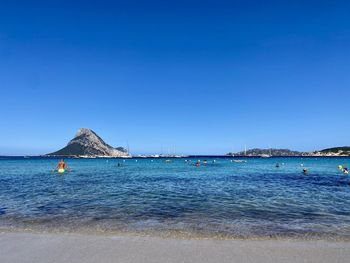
point(207, 77)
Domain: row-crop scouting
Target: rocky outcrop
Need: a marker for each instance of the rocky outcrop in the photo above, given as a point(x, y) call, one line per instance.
point(87, 143)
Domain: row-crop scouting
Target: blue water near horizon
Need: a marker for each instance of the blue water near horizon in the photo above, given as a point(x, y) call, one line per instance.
point(223, 198)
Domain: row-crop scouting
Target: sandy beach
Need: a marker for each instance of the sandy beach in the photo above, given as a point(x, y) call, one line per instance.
point(31, 247)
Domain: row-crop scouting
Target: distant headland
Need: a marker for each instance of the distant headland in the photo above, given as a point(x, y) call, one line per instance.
point(335, 151)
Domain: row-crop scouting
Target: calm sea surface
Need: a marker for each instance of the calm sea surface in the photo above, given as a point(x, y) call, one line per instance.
point(252, 199)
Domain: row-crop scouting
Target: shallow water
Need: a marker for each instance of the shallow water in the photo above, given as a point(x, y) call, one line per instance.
point(222, 198)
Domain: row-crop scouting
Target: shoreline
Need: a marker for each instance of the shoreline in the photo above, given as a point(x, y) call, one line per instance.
point(64, 247)
point(174, 234)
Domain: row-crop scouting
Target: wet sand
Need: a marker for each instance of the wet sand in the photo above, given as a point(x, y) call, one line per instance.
point(37, 248)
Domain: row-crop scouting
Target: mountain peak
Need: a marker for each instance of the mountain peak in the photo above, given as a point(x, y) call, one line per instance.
point(87, 143)
point(84, 131)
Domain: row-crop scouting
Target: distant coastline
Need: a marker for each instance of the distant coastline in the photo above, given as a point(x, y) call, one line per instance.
point(200, 156)
point(271, 152)
point(87, 144)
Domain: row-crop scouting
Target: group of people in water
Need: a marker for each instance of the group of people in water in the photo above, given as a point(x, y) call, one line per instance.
point(62, 166)
point(198, 162)
point(344, 169)
point(305, 170)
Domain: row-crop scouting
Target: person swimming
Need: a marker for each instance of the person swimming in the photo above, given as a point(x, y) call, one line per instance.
point(61, 167)
point(198, 163)
point(305, 171)
point(345, 170)
point(277, 165)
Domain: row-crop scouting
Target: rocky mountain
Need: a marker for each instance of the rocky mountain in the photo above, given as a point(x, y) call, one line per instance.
point(87, 143)
point(272, 152)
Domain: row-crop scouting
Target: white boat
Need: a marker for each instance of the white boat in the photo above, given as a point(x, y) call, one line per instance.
point(267, 155)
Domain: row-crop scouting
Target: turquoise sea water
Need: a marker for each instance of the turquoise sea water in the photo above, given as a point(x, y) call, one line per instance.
point(222, 198)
